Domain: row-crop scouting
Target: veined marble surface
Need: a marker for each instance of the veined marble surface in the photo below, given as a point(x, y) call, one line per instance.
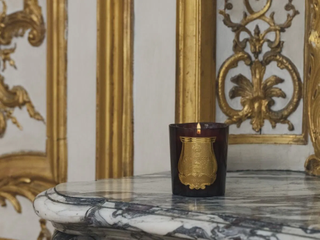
point(258, 205)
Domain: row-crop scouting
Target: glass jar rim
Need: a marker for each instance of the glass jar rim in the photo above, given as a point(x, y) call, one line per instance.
point(204, 125)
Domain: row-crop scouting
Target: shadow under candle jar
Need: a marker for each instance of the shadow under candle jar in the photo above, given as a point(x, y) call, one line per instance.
point(198, 158)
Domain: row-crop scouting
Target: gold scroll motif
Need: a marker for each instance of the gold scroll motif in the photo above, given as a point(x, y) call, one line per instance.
point(257, 95)
point(11, 26)
point(197, 163)
point(312, 165)
point(10, 187)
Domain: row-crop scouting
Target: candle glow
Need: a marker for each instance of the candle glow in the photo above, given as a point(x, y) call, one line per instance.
point(198, 128)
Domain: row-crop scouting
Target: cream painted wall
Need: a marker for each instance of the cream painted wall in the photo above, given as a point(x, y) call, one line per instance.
point(81, 109)
point(154, 83)
point(82, 48)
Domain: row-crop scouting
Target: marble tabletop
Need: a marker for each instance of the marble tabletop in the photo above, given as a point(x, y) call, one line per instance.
point(258, 205)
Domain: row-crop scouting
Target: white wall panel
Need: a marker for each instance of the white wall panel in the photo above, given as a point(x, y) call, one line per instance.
point(82, 48)
point(154, 83)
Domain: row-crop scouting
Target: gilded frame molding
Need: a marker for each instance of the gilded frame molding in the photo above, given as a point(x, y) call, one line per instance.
point(312, 164)
point(195, 19)
point(27, 173)
point(195, 64)
point(114, 127)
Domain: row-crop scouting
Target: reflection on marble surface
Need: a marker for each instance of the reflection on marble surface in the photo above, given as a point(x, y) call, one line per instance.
point(257, 205)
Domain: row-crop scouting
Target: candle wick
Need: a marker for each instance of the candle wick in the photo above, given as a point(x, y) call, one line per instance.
point(198, 128)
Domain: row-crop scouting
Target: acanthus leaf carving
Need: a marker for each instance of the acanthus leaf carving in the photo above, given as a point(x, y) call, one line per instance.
point(257, 96)
point(17, 23)
point(10, 187)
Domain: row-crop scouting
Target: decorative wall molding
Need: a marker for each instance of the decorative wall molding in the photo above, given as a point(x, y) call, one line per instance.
point(17, 23)
point(257, 95)
point(10, 187)
point(11, 26)
point(312, 165)
point(27, 173)
point(195, 84)
point(114, 156)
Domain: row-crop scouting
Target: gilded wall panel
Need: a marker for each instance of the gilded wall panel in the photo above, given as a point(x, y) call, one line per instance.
point(261, 84)
point(255, 47)
point(28, 173)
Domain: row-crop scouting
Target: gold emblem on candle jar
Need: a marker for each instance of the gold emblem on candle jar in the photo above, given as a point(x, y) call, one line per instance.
point(197, 163)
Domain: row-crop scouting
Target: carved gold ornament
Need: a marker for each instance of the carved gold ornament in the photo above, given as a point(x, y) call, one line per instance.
point(16, 25)
point(197, 164)
point(44, 233)
point(11, 187)
point(312, 164)
point(257, 95)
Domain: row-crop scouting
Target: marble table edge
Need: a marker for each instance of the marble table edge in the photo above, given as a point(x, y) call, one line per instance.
point(54, 200)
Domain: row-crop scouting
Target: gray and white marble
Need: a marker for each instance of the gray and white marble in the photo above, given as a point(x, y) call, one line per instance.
point(271, 205)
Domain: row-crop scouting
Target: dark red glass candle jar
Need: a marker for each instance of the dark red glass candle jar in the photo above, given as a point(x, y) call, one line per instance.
point(198, 158)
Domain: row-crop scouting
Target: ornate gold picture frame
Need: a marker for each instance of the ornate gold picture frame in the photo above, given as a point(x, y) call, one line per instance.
point(27, 174)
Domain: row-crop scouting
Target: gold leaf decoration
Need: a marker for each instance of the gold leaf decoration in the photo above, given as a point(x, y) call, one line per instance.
point(5, 55)
point(16, 25)
point(256, 95)
point(10, 99)
point(44, 233)
point(10, 187)
point(312, 165)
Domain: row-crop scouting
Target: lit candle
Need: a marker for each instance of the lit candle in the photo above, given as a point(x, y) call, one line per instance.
point(198, 128)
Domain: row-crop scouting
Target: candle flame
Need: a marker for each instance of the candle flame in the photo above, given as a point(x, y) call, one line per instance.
point(198, 128)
